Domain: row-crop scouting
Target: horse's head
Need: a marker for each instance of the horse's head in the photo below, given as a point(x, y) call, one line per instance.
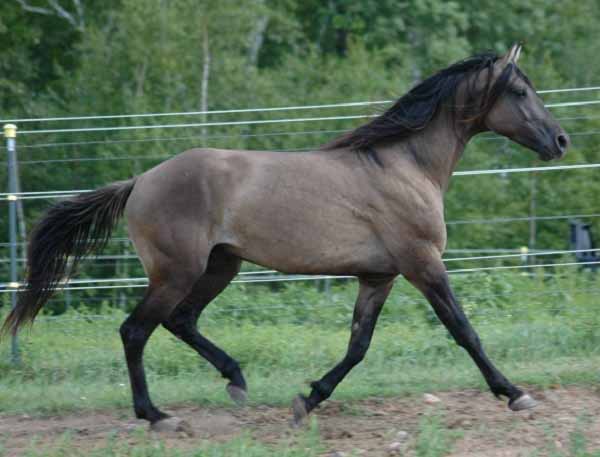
point(517, 112)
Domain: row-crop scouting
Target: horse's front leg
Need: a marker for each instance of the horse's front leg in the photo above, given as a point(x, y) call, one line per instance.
point(371, 297)
point(433, 282)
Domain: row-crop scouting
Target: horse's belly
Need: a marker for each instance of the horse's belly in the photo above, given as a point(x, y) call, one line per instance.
point(311, 249)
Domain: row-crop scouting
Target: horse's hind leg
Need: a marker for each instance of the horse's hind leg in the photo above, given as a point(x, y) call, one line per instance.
point(160, 300)
point(222, 268)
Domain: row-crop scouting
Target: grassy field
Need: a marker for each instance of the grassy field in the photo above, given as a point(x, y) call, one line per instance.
point(539, 330)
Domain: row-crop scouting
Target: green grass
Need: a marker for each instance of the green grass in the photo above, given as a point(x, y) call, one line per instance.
point(577, 445)
point(84, 368)
point(434, 439)
point(538, 331)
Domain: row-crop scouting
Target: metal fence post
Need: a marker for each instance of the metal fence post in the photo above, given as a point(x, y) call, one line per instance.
point(10, 133)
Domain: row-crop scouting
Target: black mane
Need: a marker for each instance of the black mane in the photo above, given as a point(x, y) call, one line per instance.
point(414, 110)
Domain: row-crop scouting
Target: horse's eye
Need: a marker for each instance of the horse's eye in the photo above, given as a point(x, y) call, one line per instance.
point(520, 92)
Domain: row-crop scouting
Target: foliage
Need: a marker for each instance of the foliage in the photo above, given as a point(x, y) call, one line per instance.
point(136, 56)
point(148, 55)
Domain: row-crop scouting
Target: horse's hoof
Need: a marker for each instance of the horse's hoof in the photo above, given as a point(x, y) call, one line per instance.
point(521, 403)
point(299, 410)
point(172, 424)
point(237, 394)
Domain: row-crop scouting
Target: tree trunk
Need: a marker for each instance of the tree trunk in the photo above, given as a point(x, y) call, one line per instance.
point(416, 73)
point(140, 77)
point(256, 40)
point(75, 19)
point(205, 78)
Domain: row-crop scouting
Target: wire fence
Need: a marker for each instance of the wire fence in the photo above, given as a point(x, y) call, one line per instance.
point(473, 297)
point(261, 135)
point(266, 276)
point(253, 110)
point(246, 122)
point(244, 277)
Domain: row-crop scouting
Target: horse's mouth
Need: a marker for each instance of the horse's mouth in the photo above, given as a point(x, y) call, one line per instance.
point(547, 153)
point(548, 147)
point(554, 145)
point(548, 143)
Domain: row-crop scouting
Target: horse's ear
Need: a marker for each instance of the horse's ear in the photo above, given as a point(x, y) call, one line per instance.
point(512, 56)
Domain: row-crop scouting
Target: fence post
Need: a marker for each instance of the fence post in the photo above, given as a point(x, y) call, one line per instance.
point(10, 133)
point(327, 286)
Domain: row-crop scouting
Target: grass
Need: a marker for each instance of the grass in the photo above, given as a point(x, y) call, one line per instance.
point(578, 444)
point(84, 368)
point(434, 439)
point(539, 331)
point(75, 361)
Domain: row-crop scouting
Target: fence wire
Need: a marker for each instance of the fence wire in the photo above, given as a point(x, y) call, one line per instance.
point(271, 276)
point(251, 110)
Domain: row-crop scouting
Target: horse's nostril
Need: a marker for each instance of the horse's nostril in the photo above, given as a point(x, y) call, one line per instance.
point(562, 141)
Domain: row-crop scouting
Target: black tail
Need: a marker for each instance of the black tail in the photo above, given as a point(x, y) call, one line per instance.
point(70, 229)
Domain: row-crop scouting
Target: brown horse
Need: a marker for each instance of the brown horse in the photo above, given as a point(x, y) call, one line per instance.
point(369, 204)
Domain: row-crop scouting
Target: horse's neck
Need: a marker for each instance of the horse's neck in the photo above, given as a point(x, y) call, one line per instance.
point(435, 150)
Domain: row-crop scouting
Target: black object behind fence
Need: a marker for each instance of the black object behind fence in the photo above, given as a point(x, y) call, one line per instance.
point(582, 241)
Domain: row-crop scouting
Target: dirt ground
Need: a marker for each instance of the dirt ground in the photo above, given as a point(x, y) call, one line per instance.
point(485, 426)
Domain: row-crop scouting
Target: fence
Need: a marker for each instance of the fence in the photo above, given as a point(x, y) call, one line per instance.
point(10, 132)
point(14, 195)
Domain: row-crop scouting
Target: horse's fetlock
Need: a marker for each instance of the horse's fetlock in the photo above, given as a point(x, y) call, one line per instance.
point(151, 414)
point(230, 368)
point(140, 413)
point(505, 389)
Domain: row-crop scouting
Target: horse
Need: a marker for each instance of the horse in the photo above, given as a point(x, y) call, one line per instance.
point(370, 204)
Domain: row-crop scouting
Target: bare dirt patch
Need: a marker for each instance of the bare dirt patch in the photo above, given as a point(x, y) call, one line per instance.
point(484, 426)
